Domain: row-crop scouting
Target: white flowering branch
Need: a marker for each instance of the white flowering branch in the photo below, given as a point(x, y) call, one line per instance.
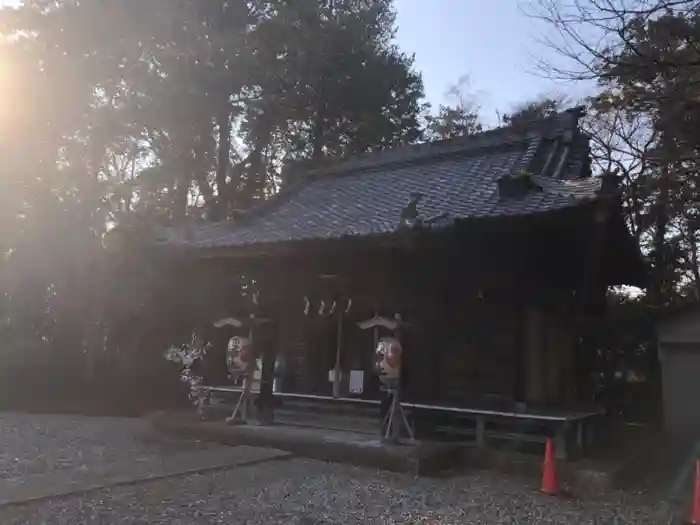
point(187, 355)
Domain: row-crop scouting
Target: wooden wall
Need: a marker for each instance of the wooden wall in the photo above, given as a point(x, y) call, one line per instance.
point(549, 348)
point(477, 334)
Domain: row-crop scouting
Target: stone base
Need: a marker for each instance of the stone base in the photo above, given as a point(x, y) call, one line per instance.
point(418, 458)
point(432, 458)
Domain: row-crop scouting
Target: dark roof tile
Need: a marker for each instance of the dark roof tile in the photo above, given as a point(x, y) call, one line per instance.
point(458, 179)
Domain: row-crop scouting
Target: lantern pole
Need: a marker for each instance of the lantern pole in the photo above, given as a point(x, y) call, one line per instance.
point(245, 406)
point(395, 419)
point(246, 400)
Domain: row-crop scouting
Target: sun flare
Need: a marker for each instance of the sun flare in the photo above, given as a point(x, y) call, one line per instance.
point(8, 88)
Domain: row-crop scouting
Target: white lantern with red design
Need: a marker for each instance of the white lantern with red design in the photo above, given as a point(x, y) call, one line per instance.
point(239, 356)
point(388, 361)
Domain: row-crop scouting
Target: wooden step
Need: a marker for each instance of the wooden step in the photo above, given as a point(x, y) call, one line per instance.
point(328, 407)
point(349, 423)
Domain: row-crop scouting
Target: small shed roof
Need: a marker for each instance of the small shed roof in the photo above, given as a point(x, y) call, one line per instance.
point(457, 179)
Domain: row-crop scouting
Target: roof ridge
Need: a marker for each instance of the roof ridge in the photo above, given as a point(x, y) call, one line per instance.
point(418, 159)
point(300, 183)
point(509, 135)
point(495, 137)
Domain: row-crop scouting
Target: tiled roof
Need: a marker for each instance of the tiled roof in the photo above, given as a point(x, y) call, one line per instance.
point(458, 179)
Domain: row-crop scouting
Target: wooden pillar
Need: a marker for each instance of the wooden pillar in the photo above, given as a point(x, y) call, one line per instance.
point(268, 354)
point(552, 357)
point(434, 345)
point(267, 377)
point(338, 365)
point(520, 366)
point(556, 342)
point(565, 347)
point(535, 356)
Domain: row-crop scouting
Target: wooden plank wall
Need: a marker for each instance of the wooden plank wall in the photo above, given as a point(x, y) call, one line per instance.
point(550, 344)
point(463, 342)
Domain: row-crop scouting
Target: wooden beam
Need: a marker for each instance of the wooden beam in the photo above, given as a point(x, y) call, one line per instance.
point(337, 368)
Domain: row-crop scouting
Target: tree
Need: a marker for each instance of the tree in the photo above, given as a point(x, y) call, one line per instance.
point(622, 142)
point(161, 111)
point(458, 118)
point(218, 103)
point(322, 100)
point(536, 109)
point(644, 56)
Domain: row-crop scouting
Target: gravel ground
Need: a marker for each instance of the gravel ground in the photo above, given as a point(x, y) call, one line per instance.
point(307, 492)
point(35, 444)
point(296, 491)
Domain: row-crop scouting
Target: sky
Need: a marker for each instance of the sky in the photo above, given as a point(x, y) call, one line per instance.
point(493, 42)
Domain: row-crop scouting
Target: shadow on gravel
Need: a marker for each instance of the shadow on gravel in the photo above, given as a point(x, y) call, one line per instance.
point(662, 464)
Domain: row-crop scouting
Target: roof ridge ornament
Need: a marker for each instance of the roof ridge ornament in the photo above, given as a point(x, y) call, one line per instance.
point(410, 217)
point(409, 213)
point(517, 185)
point(609, 183)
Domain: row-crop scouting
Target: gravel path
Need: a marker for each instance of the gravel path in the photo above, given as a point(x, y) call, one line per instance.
point(36, 444)
point(307, 492)
point(296, 491)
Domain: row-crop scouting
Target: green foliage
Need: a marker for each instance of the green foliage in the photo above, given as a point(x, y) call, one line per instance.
point(458, 118)
point(644, 127)
point(163, 111)
point(618, 353)
point(653, 72)
point(533, 110)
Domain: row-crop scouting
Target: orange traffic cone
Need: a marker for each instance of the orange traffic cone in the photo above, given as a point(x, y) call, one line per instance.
point(549, 471)
point(695, 513)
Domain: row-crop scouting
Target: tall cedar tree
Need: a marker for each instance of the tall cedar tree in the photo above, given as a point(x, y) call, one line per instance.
point(144, 111)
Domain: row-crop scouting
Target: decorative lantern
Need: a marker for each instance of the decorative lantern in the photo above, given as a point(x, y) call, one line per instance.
point(388, 361)
point(239, 356)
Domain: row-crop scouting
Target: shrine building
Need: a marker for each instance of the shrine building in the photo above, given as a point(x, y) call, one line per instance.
point(488, 250)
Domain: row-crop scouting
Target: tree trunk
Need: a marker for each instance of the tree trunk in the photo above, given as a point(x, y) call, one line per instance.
point(317, 138)
point(696, 271)
point(657, 288)
point(180, 199)
point(224, 159)
point(656, 284)
point(199, 169)
point(692, 246)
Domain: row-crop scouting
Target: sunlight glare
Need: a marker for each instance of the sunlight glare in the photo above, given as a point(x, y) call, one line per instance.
point(8, 88)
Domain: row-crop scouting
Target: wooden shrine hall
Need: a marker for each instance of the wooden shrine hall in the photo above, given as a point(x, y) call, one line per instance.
point(489, 250)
